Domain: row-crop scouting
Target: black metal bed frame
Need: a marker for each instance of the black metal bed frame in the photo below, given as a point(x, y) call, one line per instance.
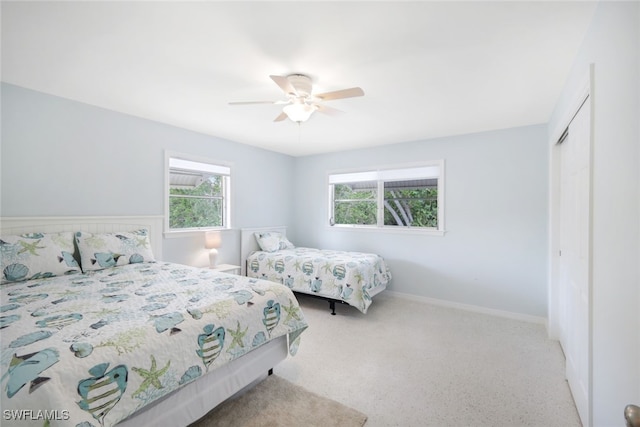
point(332, 301)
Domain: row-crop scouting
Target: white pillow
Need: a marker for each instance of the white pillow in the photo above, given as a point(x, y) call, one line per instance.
point(103, 250)
point(37, 255)
point(272, 241)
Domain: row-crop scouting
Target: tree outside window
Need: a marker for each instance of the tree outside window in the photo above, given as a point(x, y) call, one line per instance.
point(388, 198)
point(198, 195)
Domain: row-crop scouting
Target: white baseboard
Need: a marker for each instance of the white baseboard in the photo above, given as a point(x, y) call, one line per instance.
point(469, 307)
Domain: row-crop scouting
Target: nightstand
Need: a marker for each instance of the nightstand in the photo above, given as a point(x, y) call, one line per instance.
point(228, 268)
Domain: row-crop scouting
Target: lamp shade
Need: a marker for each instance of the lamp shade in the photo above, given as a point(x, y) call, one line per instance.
point(212, 239)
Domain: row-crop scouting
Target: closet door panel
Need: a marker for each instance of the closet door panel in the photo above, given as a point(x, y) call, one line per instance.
point(574, 267)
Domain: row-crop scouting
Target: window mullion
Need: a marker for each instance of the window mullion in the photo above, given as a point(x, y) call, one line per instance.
point(333, 205)
point(189, 196)
point(380, 203)
point(227, 201)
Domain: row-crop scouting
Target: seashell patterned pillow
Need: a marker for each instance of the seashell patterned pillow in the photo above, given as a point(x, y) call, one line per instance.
point(272, 241)
point(103, 250)
point(37, 256)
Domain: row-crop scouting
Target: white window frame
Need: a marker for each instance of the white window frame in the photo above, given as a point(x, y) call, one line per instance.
point(216, 166)
point(382, 174)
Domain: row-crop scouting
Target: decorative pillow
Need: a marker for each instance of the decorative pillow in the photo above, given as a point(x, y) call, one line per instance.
point(36, 256)
point(272, 241)
point(102, 250)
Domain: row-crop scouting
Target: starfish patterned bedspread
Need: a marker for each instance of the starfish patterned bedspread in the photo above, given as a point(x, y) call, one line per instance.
point(97, 347)
point(352, 277)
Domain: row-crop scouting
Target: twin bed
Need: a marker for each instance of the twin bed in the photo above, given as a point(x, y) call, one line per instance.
point(96, 331)
point(352, 278)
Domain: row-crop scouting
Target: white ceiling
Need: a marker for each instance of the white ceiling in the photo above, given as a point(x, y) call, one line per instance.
point(428, 68)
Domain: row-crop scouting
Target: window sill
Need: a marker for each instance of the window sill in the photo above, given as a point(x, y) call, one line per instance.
point(191, 232)
point(396, 230)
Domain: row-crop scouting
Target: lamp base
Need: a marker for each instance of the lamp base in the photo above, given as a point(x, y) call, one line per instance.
point(213, 257)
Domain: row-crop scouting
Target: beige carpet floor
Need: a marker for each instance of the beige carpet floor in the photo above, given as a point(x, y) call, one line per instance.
point(407, 363)
point(278, 402)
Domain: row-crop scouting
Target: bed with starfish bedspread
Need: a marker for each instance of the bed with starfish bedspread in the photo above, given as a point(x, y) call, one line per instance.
point(88, 348)
point(352, 278)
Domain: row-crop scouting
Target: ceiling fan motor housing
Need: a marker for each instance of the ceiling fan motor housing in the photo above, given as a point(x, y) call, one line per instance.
point(301, 83)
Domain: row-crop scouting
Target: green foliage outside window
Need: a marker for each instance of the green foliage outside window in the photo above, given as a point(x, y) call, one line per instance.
point(200, 206)
point(415, 207)
point(354, 206)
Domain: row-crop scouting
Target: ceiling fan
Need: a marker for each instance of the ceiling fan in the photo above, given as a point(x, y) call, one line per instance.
point(301, 102)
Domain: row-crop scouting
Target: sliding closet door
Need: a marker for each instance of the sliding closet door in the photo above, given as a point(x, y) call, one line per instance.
point(575, 258)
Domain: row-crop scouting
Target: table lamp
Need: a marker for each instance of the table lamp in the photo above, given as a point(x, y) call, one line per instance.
point(212, 240)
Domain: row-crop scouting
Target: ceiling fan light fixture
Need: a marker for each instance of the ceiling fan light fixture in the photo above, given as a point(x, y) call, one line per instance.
point(299, 112)
point(301, 102)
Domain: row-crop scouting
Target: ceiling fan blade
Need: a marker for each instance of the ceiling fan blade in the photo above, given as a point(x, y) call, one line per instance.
point(339, 94)
point(284, 84)
point(281, 117)
point(329, 110)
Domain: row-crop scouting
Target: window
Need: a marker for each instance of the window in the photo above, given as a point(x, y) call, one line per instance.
point(407, 197)
point(198, 194)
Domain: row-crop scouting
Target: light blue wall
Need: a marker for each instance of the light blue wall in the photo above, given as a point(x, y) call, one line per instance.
point(61, 157)
point(494, 252)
